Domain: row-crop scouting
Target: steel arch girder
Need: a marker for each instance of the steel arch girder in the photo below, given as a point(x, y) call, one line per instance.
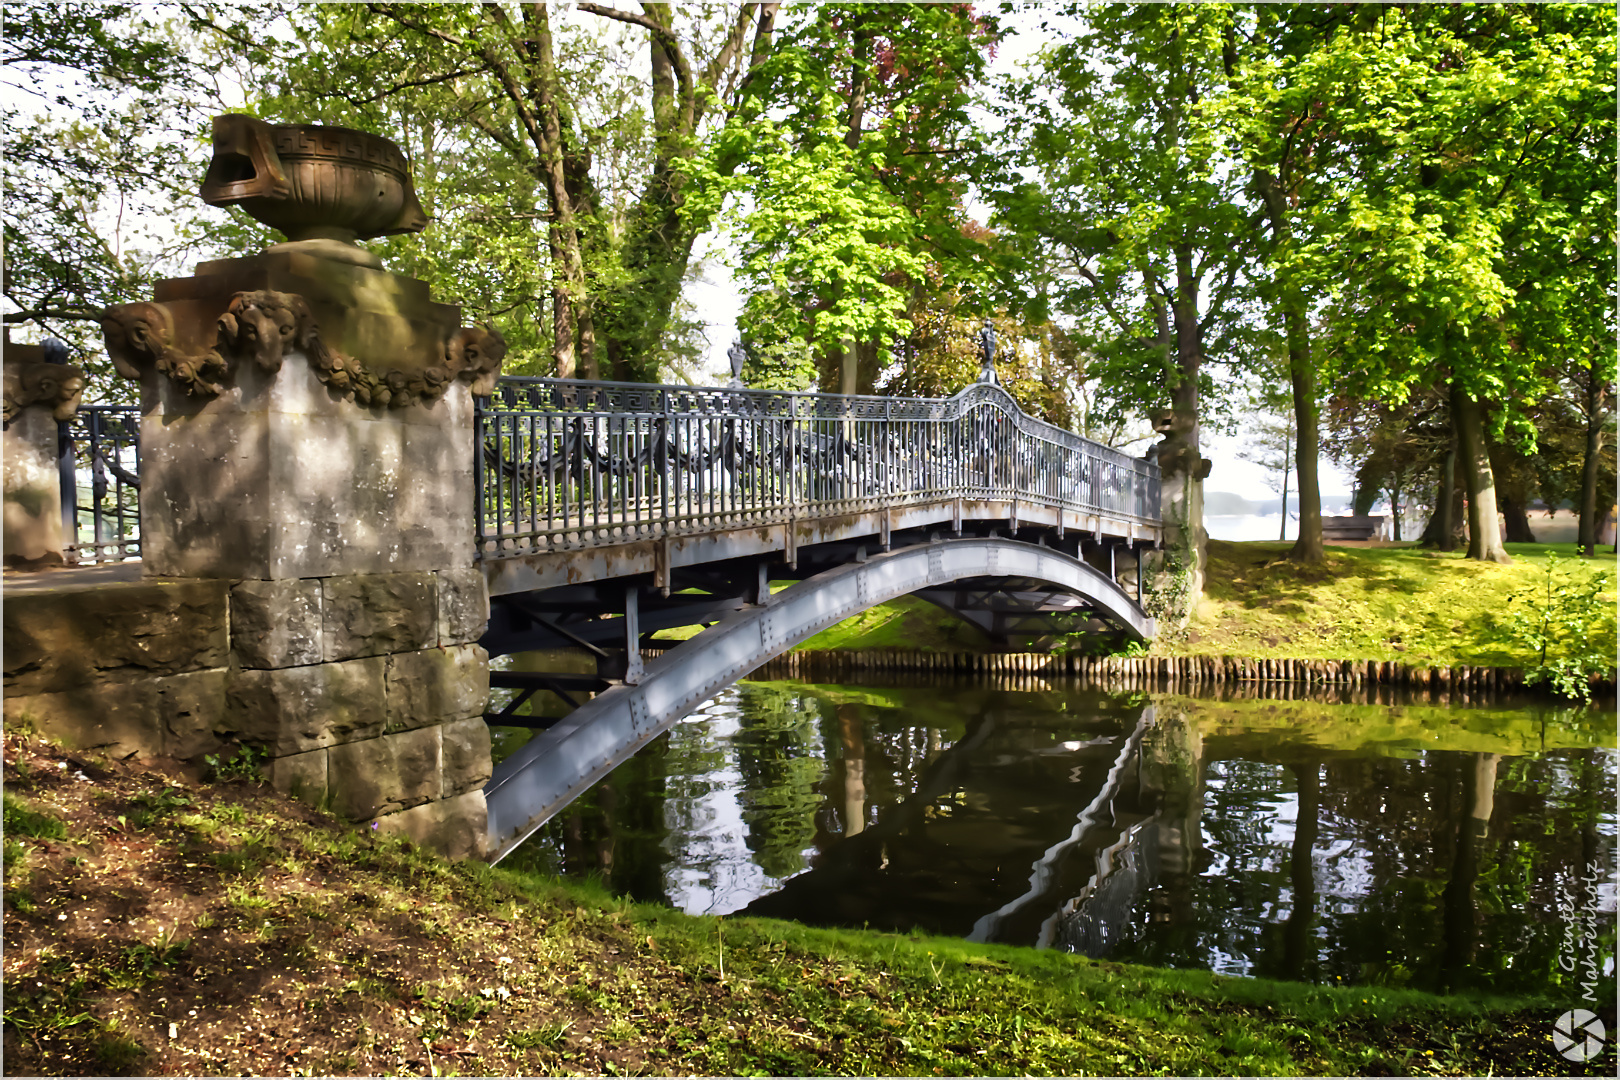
point(561, 763)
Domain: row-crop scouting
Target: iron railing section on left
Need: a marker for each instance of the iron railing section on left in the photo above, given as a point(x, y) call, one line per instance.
point(567, 464)
point(98, 459)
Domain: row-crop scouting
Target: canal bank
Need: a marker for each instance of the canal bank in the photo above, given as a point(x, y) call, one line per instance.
point(1401, 606)
point(222, 929)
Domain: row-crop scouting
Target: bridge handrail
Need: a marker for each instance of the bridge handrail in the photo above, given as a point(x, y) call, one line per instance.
point(566, 464)
point(98, 463)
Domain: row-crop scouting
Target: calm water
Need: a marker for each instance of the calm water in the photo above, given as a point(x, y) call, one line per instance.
point(1440, 848)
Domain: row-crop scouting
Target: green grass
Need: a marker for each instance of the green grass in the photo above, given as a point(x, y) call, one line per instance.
point(1392, 603)
point(906, 623)
point(790, 999)
point(381, 955)
point(21, 819)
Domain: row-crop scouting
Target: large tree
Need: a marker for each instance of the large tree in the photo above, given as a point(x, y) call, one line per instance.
point(1131, 227)
point(537, 100)
point(1464, 202)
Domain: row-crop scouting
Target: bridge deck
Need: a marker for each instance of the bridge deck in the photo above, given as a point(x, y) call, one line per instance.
point(620, 550)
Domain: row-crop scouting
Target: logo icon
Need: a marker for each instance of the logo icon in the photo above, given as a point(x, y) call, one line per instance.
point(1579, 1035)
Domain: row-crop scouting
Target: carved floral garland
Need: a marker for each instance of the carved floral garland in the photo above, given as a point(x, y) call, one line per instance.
point(263, 326)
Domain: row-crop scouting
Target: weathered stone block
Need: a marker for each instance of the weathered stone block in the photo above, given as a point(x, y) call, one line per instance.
point(384, 775)
point(463, 605)
point(464, 745)
point(386, 319)
point(65, 639)
point(457, 828)
point(276, 624)
point(300, 483)
point(303, 776)
point(434, 685)
point(291, 710)
point(169, 715)
point(372, 614)
point(33, 489)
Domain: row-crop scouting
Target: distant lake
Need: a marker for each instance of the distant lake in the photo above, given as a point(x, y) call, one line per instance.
point(1247, 526)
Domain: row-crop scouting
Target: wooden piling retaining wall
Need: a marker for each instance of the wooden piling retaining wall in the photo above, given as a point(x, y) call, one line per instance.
point(1152, 672)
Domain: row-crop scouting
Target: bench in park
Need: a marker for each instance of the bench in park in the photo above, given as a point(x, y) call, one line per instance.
point(1354, 527)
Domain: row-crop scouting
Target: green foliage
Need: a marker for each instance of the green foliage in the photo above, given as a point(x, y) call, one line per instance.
point(23, 820)
point(528, 216)
point(775, 361)
point(244, 765)
point(1456, 184)
point(823, 229)
point(104, 107)
point(842, 189)
point(1566, 625)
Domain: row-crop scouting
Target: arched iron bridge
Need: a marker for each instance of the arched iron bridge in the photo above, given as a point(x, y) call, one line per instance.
point(608, 512)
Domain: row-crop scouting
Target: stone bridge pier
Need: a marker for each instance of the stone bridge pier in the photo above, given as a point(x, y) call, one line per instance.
point(307, 446)
point(338, 532)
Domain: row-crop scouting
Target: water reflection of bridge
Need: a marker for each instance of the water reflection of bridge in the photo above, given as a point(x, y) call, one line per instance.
point(1297, 841)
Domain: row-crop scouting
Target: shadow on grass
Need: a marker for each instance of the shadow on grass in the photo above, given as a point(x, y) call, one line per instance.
point(1263, 573)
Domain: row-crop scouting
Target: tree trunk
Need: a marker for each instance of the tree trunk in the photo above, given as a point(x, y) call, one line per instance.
point(1517, 520)
point(569, 265)
point(1484, 534)
point(1445, 504)
point(849, 369)
point(1282, 528)
point(1395, 506)
point(562, 309)
point(1514, 484)
point(1184, 404)
point(1596, 416)
point(1307, 411)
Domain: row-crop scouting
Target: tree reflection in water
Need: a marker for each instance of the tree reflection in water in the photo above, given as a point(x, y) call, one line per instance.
point(1404, 845)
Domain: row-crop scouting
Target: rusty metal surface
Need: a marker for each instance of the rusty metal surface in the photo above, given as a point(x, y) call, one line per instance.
point(559, 764)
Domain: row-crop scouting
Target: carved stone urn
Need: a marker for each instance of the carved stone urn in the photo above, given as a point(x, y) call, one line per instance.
point(324, 187)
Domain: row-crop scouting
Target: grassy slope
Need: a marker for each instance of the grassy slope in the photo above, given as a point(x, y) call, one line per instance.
point(176, 928)
point(1395, 603)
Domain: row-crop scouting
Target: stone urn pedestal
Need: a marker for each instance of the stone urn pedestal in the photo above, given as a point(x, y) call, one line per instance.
point(38, 394)
point(307, 437)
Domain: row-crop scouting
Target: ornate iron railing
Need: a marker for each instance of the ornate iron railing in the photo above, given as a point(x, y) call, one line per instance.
point(98, 457)
point(566, 464)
